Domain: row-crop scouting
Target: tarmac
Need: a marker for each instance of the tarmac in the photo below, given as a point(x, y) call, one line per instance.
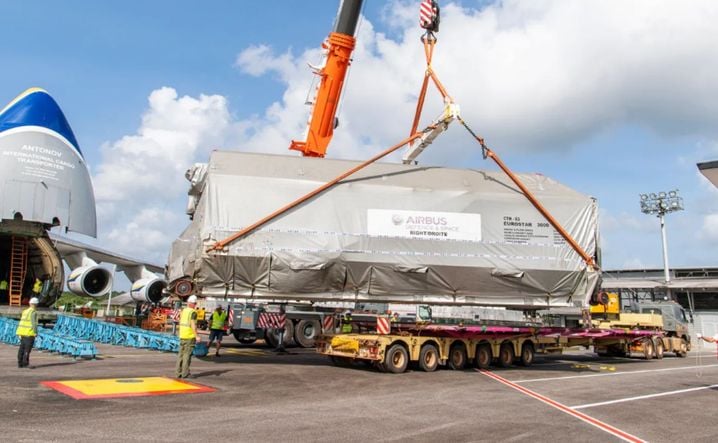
point(260, 395)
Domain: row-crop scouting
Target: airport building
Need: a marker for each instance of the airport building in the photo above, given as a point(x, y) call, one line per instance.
point(696, 289)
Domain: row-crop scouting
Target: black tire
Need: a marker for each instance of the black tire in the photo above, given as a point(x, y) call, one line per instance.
point(618, 351)
point(658, 347)
point(648, 349)
point(484, 356)
point(396, 359)
point(506, 355)
point(271, 336)
point(429, 358)
point(457, 357)
point(243, 338)
point(527, 354)
point(682, 351)
point(306, 332)
point(379, 366)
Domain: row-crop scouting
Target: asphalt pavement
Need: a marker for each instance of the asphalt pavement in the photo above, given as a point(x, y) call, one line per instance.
point(299, 396)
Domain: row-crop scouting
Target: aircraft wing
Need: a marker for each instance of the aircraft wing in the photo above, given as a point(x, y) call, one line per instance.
point(67, 246)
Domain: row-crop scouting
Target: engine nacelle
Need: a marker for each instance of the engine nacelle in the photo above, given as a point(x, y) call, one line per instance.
point(94, 281)
point(148, 290)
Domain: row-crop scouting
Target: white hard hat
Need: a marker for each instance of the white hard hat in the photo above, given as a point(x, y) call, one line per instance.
point(192, 299)
point(34, 301)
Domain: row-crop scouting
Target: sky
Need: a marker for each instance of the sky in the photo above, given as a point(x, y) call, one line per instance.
point(613, 99)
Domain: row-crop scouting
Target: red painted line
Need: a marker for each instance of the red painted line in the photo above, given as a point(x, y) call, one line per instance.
point(79, 395)
point(561, 407)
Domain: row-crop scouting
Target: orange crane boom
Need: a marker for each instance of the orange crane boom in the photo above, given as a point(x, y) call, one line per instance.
point(339, 47)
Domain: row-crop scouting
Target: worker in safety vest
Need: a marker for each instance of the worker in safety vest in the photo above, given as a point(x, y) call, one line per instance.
point(3, 288)
point(347, 322)
point(217, 322)
point(395, 317)
point(187, 336)
point(27, 331)
point(37, 287)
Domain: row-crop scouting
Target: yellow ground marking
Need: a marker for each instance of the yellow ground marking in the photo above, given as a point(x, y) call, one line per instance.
point(124, 387)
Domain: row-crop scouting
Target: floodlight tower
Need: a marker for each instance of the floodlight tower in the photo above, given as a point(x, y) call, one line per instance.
point(661, 204)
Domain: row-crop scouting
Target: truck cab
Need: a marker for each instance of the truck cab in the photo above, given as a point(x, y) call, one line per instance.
point(675, 320)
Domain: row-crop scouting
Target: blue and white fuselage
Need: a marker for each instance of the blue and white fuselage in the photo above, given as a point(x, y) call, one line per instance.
point(43, 175)
point(45, 183)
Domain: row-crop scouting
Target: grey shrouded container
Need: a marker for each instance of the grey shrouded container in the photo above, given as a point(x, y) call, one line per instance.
point(390, 233)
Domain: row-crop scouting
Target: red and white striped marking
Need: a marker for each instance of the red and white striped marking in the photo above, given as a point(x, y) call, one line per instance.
point(269, 320)
point(328, 323)
point(563, 408)
point(175, 316)
point(230, 318)
point(382, 326)
point(426, 13)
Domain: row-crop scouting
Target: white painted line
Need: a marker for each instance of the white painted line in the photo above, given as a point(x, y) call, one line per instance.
point(643, 397)
point(625, 436)
point(642, 371)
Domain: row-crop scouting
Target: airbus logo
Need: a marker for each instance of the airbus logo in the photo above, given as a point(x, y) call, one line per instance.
point(397, 219)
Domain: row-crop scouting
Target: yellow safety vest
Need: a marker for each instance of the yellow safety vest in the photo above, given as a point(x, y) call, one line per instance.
point(185, 326)
point(218, 320)
point(37, 287)
point(346, 325)
point(24, 328)
point(3, 285)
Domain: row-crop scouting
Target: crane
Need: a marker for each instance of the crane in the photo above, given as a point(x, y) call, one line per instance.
point(337, 50)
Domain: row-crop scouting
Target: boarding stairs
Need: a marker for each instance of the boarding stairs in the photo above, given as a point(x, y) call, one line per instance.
point(18, 269)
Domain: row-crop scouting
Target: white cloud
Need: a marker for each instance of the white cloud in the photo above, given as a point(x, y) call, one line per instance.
point(709, 230)
point(142, 174)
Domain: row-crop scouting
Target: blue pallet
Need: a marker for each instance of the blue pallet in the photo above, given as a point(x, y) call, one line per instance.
point(115, 334)
point(49, 340)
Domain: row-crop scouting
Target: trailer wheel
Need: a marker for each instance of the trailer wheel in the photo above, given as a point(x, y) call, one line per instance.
point(429, 358)
point(682, 351)
point(484, 356)
point(648, 349)
point(396, 359)
point(243, 338)
point(658, 346)
point(527, 354)
point(506, 355)
point(271, 336)
point(306, 332)
point(457, 357)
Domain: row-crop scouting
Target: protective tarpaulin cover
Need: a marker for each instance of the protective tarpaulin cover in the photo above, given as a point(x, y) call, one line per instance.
point(389, 233)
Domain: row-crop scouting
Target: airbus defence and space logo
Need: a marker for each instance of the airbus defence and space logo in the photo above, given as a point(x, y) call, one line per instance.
point(424, 224)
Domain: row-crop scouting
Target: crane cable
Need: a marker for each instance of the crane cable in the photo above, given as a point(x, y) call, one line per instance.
point(486, 152)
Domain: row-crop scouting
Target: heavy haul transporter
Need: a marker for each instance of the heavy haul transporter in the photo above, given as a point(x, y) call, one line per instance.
point(307, 229)
point(458, 346)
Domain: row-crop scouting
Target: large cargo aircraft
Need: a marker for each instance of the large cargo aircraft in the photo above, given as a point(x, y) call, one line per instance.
point(45, 188)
